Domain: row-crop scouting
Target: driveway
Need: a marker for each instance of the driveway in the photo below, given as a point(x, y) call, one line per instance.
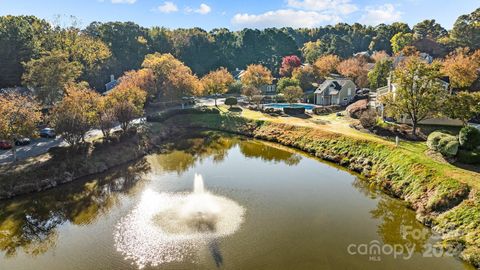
point(35, 148)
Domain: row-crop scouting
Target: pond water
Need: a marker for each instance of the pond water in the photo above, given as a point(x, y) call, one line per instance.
point(259, 206)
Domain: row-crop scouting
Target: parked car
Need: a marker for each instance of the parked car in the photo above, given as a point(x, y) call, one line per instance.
point(4, 145)
point(48, 133)
point(22, 141)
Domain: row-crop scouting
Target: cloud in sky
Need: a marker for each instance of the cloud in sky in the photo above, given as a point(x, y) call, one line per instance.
point(123, 1)
point(385, 13)
point(300, 13)
point(167, 7)
point(283, 17)
point(341, 6)
point(203, 9)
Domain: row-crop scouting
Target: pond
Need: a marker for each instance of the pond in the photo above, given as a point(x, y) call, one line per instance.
point(254, 205)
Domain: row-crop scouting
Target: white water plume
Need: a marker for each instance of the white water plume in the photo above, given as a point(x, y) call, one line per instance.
point(167, 227)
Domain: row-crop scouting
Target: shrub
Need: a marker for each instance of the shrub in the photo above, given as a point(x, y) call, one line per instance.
point(356, 109)
point(368, 119)
point(162, 116)
point(231, 101)
point(469, 138)
point(294, 110)
point(322, 110)
point(469, 157)
point(444, 143)
point(433, 140)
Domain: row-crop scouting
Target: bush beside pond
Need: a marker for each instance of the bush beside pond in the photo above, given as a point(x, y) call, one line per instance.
point(164, 115)
point(294, 110)
point(443, 143)
point(469, 138)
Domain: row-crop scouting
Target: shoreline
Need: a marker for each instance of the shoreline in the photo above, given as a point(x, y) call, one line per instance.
point(440, 202)
point(446, 205)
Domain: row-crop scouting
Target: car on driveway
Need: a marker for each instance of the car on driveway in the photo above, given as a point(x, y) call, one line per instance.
point(48, 133)
point(22, 141)
point(4, 145)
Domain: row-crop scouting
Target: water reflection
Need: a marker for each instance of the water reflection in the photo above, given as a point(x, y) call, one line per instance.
point(184, 154)
point(398, 225)
point(30, 222)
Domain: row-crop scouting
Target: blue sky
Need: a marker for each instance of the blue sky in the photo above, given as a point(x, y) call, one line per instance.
point(237, 14)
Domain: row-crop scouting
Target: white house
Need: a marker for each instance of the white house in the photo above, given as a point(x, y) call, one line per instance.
point(335, 92)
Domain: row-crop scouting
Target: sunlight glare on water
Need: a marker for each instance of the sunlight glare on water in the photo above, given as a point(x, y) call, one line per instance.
point(171, 227)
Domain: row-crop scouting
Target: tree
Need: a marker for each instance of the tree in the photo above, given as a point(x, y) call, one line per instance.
point(400, 41)
point(378, 76)
point(354, 69)
point(231, 101)
point(463, 106)
point(289, 63)
point(49, 74)
point(418, 94)
point(142, 78)
point(256, 76)
point(21, 39)
point(461, 67)
point(311, 51)
point(76, 114)
point(286, 82)
point(173, 79)
point(305, 75)
point(378, 56)
point(217, 82)
point(106, 118)
point(466, 30)
point(292, 93)
point(325, 65)
point(127, 104)
point(429, 29)
point(19, 116)
point(251, 92)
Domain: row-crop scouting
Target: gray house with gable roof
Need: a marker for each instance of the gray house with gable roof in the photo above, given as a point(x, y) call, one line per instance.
point(335, 92)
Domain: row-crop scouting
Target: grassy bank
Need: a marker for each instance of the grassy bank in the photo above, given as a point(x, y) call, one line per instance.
point(444, 197)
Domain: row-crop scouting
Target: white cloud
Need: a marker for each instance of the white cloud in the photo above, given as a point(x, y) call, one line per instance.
point(168, 7)
point(284, 17)
point(203, 9)
point(337, 6)
point(380, 14)
point(123, 1)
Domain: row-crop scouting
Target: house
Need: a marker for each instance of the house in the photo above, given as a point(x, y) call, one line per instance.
point(392, 88)
point(238, 73)
point(399, 58)
point(110, 85)
point(335, 92)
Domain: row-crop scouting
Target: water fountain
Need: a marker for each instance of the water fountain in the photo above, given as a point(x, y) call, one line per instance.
point(171, 227)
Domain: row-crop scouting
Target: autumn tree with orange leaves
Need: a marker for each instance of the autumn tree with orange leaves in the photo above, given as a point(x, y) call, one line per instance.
point(354, 69)
point(325, 65)
point(127, 104)
point(461, 67)
point(76, 114)
point(217, 82)
point(19, 116)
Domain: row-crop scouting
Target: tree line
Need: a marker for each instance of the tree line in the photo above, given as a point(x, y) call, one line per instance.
point(93, 53)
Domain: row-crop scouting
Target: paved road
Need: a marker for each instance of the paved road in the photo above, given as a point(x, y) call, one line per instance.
point(40, 146)
point(35, 148)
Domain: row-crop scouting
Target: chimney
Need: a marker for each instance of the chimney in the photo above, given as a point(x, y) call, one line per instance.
point(112, 78)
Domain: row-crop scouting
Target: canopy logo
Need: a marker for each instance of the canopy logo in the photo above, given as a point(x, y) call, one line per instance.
point(416, 240)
